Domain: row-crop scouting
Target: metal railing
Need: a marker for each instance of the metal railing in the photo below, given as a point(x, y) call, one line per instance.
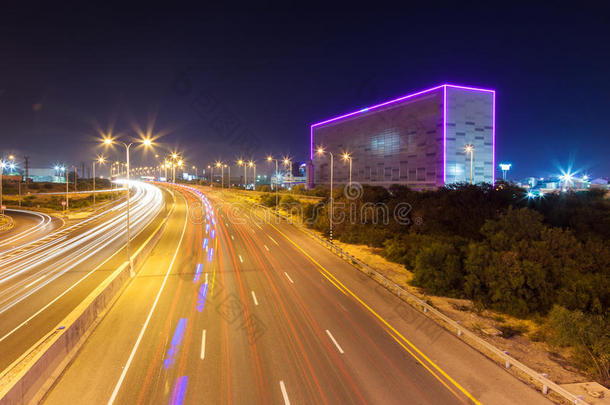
point(540, 380)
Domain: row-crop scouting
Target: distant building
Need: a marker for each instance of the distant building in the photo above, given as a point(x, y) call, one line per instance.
point(39, 175)
point(418, 140)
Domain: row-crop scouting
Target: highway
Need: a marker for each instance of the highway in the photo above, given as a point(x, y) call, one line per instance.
point(29, 226)
point(42, 280)
point(230, 309)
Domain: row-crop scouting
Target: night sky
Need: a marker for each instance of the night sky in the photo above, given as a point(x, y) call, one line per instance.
point(225, 84)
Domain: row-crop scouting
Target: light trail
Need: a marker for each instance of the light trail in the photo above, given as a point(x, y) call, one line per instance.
point(26, 273)
point(44, 221)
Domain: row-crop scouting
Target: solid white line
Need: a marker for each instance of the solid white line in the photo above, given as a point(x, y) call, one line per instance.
point(203, 345)
point(274, 241)
point(152, 309)
point(289, 277)
point(259, 227)
point(254, 297)
point(240, 259)
point(266, 247)
point(284, 393)
point(334, 341)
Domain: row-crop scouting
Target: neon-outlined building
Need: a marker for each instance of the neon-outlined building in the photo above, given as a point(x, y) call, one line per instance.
point(419, 140)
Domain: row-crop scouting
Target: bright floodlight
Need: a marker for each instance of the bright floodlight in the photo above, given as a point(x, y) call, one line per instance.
point(240, 162)
point(585, 177)
point(286, 161)
point(469, 148)
point(530, 194)
point(269, 158)
point(11, 166)
point(320, 150)
point(346, 156)
point(218, 164)
point(108, 141)
point(147, 142)
point(11, 157)
point(174, 155)
point(56, 167)
point(250, 163)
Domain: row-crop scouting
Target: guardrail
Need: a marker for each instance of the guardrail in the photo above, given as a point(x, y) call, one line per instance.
point(27, 378)
point(540, 381)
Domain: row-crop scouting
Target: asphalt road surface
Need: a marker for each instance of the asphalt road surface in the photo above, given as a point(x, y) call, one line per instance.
point(28, 226)
point(229, 309)
point(43, 280)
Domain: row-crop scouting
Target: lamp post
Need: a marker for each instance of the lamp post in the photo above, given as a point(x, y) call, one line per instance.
point(505, 167)
point(211, 168)
point(229, 167)
point(240, 162)
point(346, 157)
point(253, 166)
point(288, 163)
point(1, 172)
point(67, 184)
point(222, 174)
point(271, 159)
point(101, 161)
point(470, 149)
point(330, 216)
point(146, 142)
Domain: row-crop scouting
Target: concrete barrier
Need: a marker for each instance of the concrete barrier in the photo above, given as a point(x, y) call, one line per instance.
point(30, 376)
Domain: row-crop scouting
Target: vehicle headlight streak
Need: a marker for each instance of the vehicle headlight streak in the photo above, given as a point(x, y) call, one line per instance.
point(34, 269)
point(44, 221)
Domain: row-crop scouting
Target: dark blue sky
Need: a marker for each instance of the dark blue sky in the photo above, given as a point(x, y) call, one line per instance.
point(250, 81)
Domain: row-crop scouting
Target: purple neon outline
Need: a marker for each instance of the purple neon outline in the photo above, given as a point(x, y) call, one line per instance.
point(396, 100)
point(444, 135)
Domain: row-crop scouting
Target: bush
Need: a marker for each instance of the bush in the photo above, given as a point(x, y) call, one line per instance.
point(438, 269)
point(589, 335)
point(267, 199)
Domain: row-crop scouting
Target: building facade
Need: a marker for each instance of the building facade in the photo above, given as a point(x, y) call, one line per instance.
point(422, 140)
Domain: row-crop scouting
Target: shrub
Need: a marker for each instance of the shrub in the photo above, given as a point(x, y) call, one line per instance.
point(438, 269)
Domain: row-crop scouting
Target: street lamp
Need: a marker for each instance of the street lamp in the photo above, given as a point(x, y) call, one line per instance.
point(240, 162)
point(146, 142)
point(321, 151)
point(101, 160)
point(288, 163)
point(271, 159)
point(469, 148)
point(346, 157)
point(253, 166)
point(229, 167)
point(2, 164)
point(222, 174)
point(505, 167)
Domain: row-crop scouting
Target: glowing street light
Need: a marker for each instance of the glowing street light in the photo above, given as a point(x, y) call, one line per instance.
point(505, 167)
point(253, 166)
point(321, 151)
point(147, 143)
point(271, 159)
point(469, 148)
point(288, 163)
point(101, 160)
point(241, 162)
point(2, 165)
point(347, 157)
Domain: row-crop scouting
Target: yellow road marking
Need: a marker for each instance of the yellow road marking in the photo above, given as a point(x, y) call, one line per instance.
point(455, 383)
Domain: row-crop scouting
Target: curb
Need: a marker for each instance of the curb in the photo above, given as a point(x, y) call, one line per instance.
point(28, 378)
point(520, 371)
